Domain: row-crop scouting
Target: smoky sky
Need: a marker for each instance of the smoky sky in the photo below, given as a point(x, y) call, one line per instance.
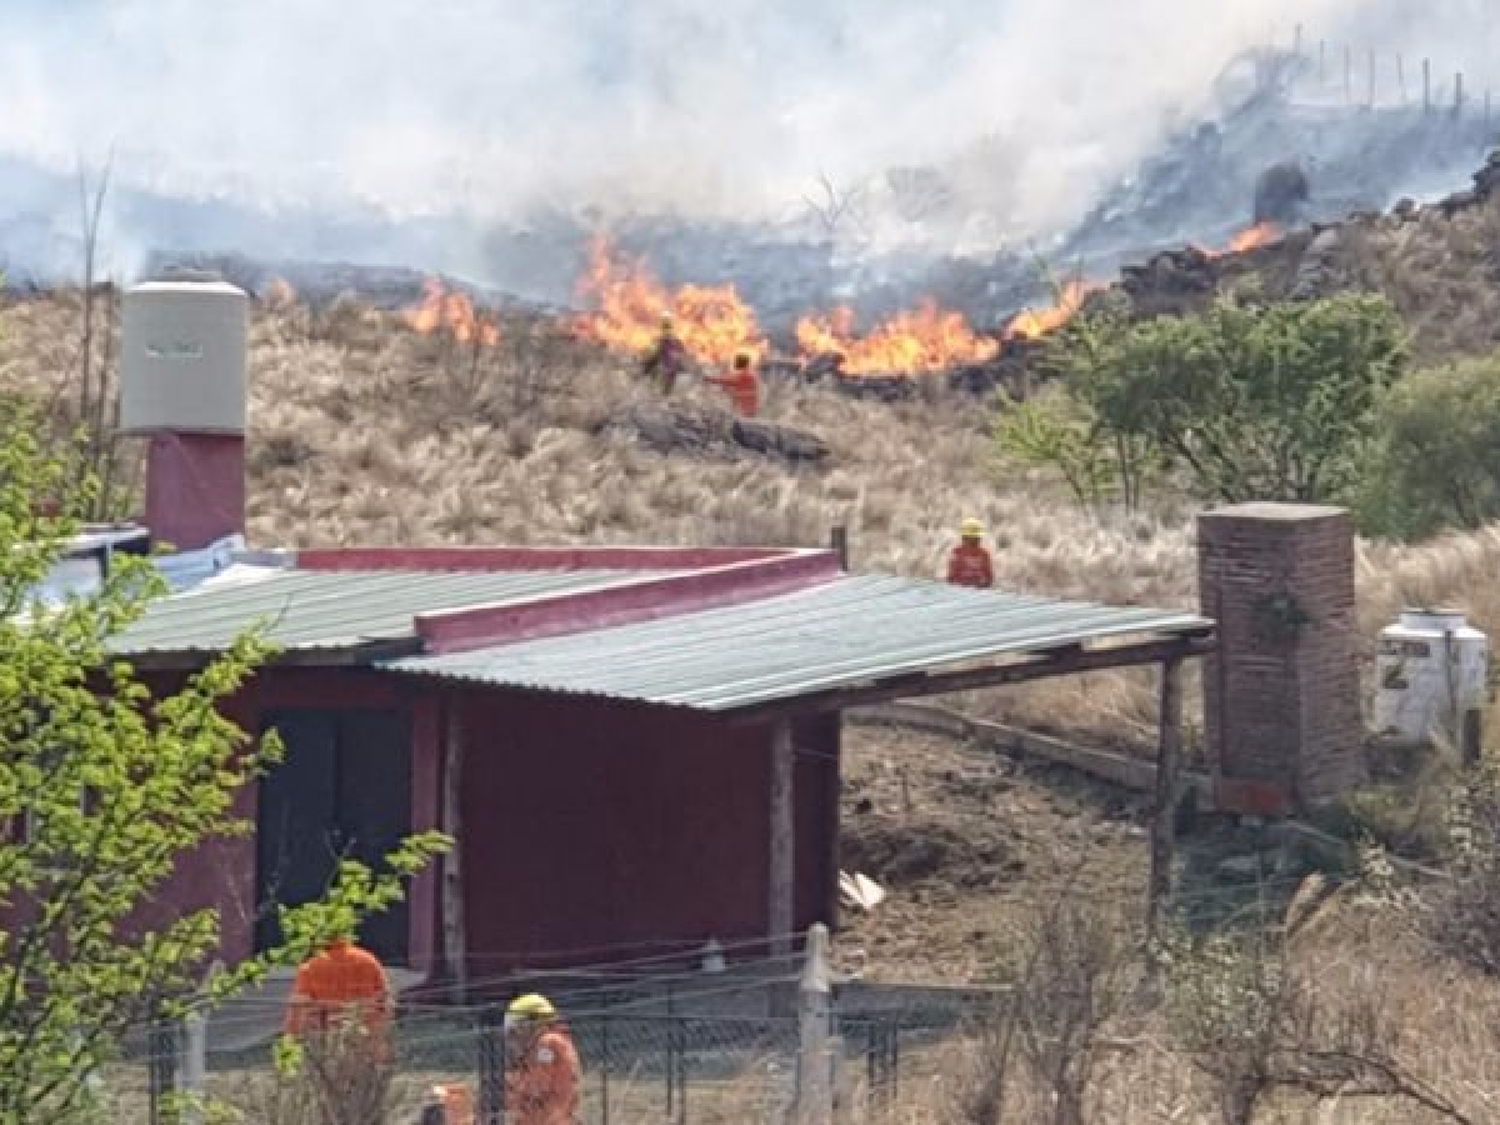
point(491, 107)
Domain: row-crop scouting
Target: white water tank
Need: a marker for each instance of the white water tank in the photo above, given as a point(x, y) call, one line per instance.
point(1431, 668)
point(183, 346)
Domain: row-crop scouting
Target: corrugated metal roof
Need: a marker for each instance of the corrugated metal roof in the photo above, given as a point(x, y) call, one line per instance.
point(849, 631)
point(340, 609)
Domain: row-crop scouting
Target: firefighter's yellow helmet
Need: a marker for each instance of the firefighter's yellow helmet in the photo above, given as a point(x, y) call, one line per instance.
point(532, 1006)
point(971, 528)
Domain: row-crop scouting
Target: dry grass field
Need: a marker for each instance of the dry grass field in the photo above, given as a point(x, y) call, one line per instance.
point(363, 430)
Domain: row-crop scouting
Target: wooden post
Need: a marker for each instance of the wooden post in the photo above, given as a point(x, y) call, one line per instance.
point(1370, 101)
point(1471, 738)
point(783, 858)
point(839, 541)
point(1458, 94)
point(1168, 771)
point(1348, 76)
point(1426, 86)
point(455, 947)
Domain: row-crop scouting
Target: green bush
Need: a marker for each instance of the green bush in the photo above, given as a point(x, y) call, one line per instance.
point(1245, 402)
point(1435, 461)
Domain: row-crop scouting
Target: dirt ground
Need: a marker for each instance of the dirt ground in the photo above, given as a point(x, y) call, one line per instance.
point(962, 838)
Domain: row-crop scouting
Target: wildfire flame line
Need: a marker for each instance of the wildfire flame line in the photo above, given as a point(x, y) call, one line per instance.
point(712, 322)
point(1252, 238)
point(921, 341)
point(1033, 324)
point(451, 311)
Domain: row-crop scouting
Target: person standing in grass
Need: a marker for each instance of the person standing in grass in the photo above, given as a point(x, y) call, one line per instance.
point(743, 385)
point(970, 564)
point(667, 358)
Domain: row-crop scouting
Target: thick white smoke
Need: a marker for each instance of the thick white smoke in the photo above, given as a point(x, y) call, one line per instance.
point(491, 107)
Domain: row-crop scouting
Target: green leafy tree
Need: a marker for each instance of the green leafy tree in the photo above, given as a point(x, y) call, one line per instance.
point(1435, 461)
point(1251, 402)
point(103, 787)
point(1061, 429)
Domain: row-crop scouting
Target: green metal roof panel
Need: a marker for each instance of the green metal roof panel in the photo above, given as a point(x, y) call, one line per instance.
point(325, 610)
point(850, 631)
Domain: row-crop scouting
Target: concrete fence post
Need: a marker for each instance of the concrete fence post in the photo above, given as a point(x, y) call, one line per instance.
point(192, 1072)
point(815, 1039)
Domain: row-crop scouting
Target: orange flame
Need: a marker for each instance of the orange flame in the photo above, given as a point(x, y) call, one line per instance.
point(712, 322)
point(921, 341)
point(1261, 234)
point(453, 312)
point(1033, 324)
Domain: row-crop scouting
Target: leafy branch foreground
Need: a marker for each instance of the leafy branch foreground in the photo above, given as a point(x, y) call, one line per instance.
point(104, 786)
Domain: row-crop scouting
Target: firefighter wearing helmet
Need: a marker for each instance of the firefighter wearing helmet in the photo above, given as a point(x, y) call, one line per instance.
point(543, 1077)
point(970, 564)
point(667, 358)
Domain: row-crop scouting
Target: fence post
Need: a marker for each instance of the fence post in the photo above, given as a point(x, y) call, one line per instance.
point(193, 1066)
point(814, 1101)
point(162, 1046)
point(491, 1066)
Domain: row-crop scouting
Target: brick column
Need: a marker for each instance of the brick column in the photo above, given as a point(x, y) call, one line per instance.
point(1282, 703)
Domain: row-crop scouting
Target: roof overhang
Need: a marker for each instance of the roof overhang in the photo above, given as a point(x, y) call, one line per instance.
point(828, 646)
point(1068, 660)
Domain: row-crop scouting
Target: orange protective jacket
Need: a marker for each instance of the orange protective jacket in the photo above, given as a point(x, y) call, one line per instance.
point(545, 1087)
point(970, 565)
point(344, 982)
point(744, 390)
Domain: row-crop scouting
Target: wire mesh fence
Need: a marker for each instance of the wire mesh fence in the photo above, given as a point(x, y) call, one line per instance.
point(704, 1056)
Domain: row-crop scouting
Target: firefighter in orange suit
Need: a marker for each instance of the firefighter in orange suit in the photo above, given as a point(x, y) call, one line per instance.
point(340, 987)
point(743, 385)
point(970, 563)
point(543, 1078)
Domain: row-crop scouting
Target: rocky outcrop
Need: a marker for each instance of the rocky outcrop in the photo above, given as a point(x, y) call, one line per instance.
point(697, 431)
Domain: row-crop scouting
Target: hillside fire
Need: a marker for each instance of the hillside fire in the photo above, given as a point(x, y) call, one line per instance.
point(452, 312)
point(1251, 238)
point(1033, 324)
point(712, 321)
point(921, 341)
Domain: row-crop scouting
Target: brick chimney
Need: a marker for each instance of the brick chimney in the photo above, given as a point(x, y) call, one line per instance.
point(182, 385)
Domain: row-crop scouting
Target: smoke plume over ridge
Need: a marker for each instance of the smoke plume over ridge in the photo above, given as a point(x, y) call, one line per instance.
point(492, 108)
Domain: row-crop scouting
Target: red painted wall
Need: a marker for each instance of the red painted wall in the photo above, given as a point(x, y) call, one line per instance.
point(223, 872)
point(195, 488)
point(595, 830)
point(592, 830)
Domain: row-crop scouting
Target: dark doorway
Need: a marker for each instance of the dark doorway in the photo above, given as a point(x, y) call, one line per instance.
point(342, 790)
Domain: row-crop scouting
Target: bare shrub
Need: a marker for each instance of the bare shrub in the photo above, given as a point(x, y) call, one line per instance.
point(1072, 972)
point(1266, 1023)
point(1465, 920)
point(339, 1078)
